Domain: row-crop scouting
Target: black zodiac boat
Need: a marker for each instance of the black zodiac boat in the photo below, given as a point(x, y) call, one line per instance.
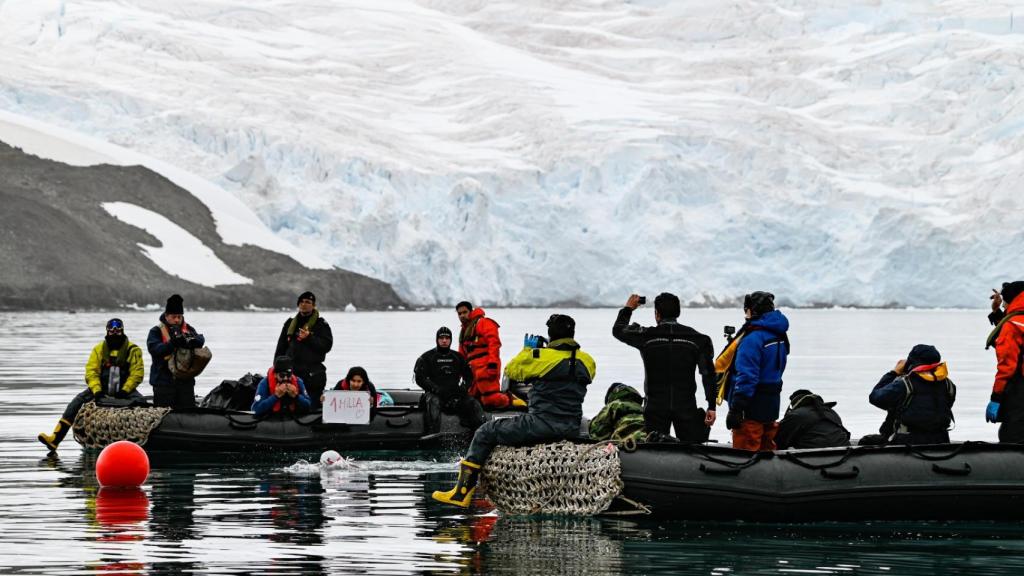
point(969, 481)
point(404, 426)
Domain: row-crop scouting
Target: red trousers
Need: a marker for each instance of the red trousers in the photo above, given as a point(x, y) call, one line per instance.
point(755, 436)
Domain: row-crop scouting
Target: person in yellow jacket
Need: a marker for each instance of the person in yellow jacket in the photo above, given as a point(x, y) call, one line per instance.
point(559, 373)
point(115, 368)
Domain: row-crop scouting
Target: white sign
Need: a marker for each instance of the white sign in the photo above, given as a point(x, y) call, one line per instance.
point(346, 407)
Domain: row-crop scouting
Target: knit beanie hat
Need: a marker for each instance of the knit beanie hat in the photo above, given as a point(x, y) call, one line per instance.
point(1011, 290)
point(307, 295)
point(175, 305)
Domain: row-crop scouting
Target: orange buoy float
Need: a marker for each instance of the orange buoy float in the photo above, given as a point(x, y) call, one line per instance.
point(123, 463)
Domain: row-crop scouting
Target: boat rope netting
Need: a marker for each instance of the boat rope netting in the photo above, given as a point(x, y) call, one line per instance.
point(97, 426)
point(559, 478)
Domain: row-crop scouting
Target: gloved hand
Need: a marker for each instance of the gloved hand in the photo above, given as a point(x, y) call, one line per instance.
point(992, 412)
point(179, 340)
point(530, 340)
point(734, 418)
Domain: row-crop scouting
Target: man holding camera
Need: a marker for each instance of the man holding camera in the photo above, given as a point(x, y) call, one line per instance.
point(281, 391)
point(171, 334)
point(671, 353)
point(114, 368)
point(306, 338)
point(560, 373)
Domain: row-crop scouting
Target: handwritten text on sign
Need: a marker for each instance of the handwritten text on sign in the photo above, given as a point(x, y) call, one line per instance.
point(346, 407)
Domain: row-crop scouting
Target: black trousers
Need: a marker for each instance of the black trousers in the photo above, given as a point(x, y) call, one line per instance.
point(468, 409)
point(315, 385)
point(524, 430)
point(86, 396)
point(179, 395)
point(688, 421)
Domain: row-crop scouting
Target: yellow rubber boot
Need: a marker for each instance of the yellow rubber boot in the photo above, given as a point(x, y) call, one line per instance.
point(51, 441)
point(462, 494)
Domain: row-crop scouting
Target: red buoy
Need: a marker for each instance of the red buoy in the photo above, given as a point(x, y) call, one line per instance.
point(123, 463)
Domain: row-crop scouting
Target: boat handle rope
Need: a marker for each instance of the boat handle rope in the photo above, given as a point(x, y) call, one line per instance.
point(793, 458)
point(939, 469)
point(249, 425)
point(720, 471)
point(923, 456)
point(840, 475)
point(737, 465)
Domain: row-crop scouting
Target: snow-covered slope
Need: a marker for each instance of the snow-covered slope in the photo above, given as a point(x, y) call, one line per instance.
point(849, 152)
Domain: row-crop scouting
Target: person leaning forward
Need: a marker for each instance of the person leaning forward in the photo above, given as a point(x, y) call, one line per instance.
point(169, 335)
point(671, 353)
point(919, 395)
point(281, 391)
point(560, 374)
point(115, 368)
point(445, 377)
point(307, 339)
point(1006, 404)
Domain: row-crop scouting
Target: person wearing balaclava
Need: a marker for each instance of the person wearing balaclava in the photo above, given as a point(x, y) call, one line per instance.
point(115, 368)
point(752, 367)
point(306, 338)
point(170, 334)
point(919, 395)
point(1006, 404)
point(560, 373)
point(445, 377)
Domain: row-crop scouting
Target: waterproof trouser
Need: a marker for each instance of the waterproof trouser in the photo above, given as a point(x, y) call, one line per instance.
point(688, 422)
point(87, 396)
point(522, 430)
point(315, 383)
point(179, 395)
point(1011, 414)
point(755, 436)
point(471, 414)
point(487, 388)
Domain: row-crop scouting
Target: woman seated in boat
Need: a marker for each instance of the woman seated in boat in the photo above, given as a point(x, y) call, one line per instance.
point(358, 379)
point(918, 394)
point(281, 391)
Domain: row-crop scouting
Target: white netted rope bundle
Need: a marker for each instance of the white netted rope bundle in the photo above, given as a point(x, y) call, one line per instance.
point(97, 426)
point(559, 478)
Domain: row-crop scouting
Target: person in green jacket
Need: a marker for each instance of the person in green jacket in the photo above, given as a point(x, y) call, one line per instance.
point(115, 368)
point(559, 373)
point(622, 417)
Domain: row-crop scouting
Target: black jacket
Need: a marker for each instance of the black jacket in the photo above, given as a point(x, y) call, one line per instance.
point(671, 353)
point(307, 355)
point(922, 406)
point(439, 371)
point(811, 422)
point(159, 372)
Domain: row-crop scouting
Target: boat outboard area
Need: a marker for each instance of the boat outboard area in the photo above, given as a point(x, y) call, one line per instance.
point(960, 481)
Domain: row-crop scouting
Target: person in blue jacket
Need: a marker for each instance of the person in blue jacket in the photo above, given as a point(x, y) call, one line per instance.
point(755, 377)
point(281, 391)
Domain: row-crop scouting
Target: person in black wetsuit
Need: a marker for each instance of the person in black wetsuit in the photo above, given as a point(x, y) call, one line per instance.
point(445, 376)
point(671, 353)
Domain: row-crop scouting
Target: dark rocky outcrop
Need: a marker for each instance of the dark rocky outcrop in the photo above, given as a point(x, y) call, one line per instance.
point(59, 249)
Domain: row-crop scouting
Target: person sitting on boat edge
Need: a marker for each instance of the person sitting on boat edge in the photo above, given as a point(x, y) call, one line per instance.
point(671, 353)
point(358, 379)
point(754, 373)
point(164, 339)
point(281, 391)
point(622, 417)
point(560, 373)
point(921, 396)
point(810, 422)
point(307, 339)
point(445, 377)
point(1006, 405)
point(115, 368)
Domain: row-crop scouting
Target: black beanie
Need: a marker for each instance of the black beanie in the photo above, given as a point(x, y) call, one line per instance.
point(561, 326)
point(307, 295)
point(759, 302)
point(1011, 290)
point(175, 305)
point(923, 355)
point(443, 331)
point(282, 364)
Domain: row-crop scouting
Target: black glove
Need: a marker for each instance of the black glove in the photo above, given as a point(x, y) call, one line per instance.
point(178, 340)
point(734, 418)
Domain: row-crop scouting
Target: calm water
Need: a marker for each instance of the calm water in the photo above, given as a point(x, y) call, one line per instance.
point(244, 514)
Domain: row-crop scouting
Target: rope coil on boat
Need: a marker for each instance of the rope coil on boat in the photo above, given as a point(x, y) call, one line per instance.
point(559, 478)
point(97, 426)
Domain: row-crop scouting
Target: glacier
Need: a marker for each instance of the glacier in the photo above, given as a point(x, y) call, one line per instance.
point(854, 153)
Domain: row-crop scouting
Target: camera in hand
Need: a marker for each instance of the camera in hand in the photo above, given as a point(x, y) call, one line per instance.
point(641, 300)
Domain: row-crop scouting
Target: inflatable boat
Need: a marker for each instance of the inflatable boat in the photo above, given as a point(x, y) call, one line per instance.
point(969, 481)
point(404, 426)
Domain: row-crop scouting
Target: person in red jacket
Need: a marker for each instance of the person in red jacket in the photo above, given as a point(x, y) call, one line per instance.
point(1007, 401)
point(480, 345)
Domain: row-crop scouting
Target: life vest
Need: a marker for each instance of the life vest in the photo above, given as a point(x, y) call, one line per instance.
point(272, 384)
point(473, 338)
point(165, 334)
point(115, 361)
point(942, 414)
